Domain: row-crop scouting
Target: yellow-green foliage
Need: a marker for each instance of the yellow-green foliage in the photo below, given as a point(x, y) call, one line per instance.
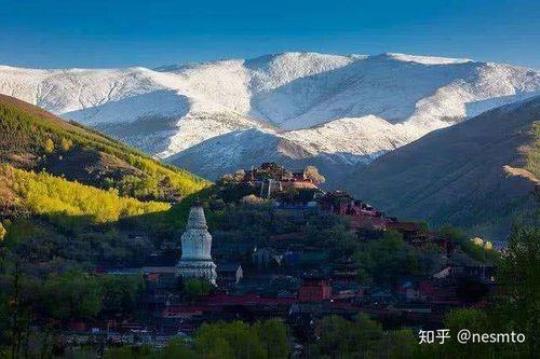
point(48, 146)
point(59, 199)
point(66, 144)
point(28, 130)
point(186, 182)
point(533, 155)
point(3, 231)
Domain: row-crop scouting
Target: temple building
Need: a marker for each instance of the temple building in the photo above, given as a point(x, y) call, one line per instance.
point(196, 260)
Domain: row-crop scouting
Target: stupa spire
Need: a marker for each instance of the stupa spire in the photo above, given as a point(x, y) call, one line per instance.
point(196, 260)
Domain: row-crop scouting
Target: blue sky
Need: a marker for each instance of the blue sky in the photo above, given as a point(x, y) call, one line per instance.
point(96, 33)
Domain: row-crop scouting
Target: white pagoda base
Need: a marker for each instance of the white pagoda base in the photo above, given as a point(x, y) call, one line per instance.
point(197, 269)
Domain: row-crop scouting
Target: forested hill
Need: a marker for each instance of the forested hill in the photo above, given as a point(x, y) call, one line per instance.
point(73, 195)
point(33, 139)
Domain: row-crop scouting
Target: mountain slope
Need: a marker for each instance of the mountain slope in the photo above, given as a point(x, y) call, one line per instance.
point(71, 198)
point(480, 174)
point(33, 139)
point(247, 148)
point(311, 100)
point(67, 192)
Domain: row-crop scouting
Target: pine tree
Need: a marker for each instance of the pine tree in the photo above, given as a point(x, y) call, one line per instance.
point(48, 146)
point(66, 144)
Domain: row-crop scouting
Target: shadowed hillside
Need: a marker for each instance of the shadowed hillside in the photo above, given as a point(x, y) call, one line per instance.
point(481, 174)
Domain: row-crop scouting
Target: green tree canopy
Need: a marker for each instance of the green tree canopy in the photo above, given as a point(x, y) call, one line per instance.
point(273, 334)
point(230, 340)
point(360, 337)
point(72, 295)
point(519, 278)
point(195, 288)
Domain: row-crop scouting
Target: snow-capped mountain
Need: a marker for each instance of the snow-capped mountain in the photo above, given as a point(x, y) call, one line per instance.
point(293, 107)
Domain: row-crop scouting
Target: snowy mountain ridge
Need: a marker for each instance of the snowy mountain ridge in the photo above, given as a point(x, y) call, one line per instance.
point(290, 106)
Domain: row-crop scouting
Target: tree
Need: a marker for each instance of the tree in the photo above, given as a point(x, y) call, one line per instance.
point(195, 288)
point(467, 318)
point(214, 348)
point(72, 295)
point(273, 334)
point(387, 258)
point(519, 279)
point(66, 144)
point(336, 336)
point(3, 231)
point(516, 308)
point(368, 333)
point(120, 294)
point(343, 338)
point(48, 146)
point(399, 344)
point(228, 340)
point(19, 297)
point(475, 248)
point(178, 348)
point(313, 174)
point(133, 352)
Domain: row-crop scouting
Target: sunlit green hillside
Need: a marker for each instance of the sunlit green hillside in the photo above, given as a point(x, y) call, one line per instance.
point(65, 203)
point(37, 140)
point(69, 192)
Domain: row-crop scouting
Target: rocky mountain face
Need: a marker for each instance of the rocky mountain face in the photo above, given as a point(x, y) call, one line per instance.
point(337, 112)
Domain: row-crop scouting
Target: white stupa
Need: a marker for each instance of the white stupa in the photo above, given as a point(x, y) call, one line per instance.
point(196, 260)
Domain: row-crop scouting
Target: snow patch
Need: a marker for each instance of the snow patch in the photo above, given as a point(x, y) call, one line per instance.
point(427, 60)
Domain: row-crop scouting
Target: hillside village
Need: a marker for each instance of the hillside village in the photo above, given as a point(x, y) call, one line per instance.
point(289, 275)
